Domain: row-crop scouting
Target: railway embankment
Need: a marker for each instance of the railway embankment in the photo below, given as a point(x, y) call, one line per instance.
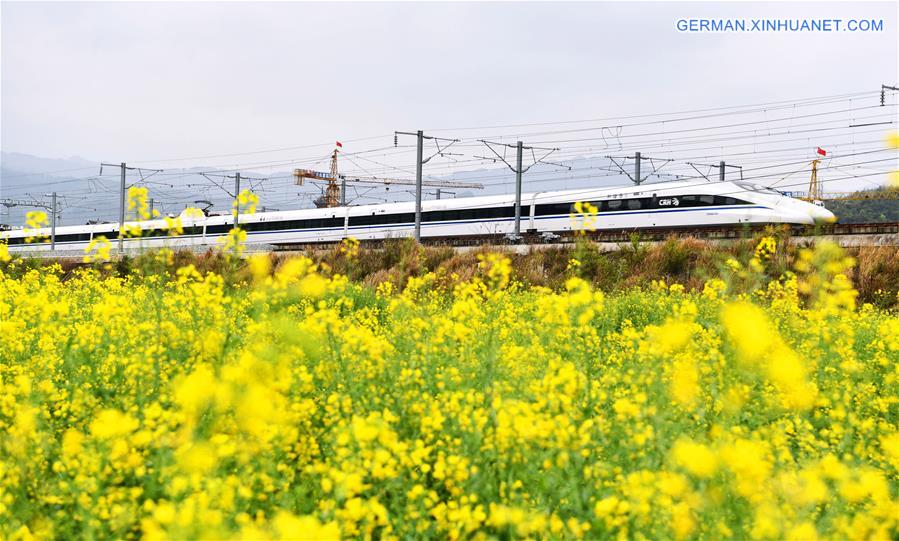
point(682, 259)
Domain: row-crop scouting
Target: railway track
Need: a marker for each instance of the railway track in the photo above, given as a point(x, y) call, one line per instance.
point(868, 234)
point(886, 233)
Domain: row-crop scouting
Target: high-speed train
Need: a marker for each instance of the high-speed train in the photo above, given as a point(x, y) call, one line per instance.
point(653, 206)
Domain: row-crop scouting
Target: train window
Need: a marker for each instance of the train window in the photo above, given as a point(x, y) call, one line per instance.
point(707, 199)
point(218, 229)
point(373, 219)
point(166, 232)
point(440, 215)
point(727, 201)
point(363, 220)
point(616, 204)
point(16, 240)
point(376, 219)
point(502, 212)
point(549, 209)
point(465, 214)
point(314, 223)
point(74, 237)
point(285, 225)
point(634, 204)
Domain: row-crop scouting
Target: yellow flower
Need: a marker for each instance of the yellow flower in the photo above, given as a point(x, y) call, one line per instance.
point(349, 247)
point(71, 443)
point(234, 241)
point(749, 329)
point(892, 139)
point(584, 217)
point(696, 458)
point(97, 250)
point(174, 226)
point(606, 506)
point(196, 457)
point(497, 267)
point(766, 247)
point(289, 526)
point(182, 403)
point(196, 391)
point(247, 202)
point(35, 221)
point(804, 531)
point(313, 285)
point(111, 423)
point(260, 266)
point(890, 445)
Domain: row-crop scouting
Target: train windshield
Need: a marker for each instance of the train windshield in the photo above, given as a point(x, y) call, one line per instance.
point(757, 188)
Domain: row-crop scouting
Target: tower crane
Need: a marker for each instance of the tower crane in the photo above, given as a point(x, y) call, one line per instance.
point(814, 188)
point(333, 191)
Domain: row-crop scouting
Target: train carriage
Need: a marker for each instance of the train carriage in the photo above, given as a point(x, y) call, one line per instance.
point(649, 206)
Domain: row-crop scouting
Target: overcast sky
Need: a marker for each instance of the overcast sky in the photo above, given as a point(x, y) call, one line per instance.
point(144, 81)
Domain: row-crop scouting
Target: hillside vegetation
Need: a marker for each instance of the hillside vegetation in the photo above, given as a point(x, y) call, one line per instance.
point(867, 210)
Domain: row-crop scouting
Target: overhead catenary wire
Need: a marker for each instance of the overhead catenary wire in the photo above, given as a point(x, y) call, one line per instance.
point(722, 111)
point(758, 106)
point(764, 141)
point(664, 142)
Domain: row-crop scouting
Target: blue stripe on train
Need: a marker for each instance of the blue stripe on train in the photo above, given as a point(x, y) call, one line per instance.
point(556, 216)
point(412, 224)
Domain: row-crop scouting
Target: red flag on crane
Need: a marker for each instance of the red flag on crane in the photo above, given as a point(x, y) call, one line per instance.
point(339, 144)
point(822, 152)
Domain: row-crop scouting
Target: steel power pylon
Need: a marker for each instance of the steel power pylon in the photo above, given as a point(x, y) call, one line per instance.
point(637, 178)
point(519, 170)
point(123, 169)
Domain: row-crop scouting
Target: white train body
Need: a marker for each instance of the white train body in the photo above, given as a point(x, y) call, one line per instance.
point(650, 206)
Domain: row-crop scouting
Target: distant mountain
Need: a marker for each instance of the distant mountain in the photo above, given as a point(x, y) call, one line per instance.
point(16, 163)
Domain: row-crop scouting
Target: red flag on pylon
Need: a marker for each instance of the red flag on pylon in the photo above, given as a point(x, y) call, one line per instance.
point(822, 152)
point(338, 143)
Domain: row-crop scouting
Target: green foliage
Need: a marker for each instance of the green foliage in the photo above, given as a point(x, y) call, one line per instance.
point(866, 211)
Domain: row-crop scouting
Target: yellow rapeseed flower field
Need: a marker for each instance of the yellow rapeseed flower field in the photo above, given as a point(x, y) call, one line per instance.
point(300, 405)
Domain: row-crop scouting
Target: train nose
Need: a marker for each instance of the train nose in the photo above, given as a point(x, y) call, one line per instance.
point(821, 215)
